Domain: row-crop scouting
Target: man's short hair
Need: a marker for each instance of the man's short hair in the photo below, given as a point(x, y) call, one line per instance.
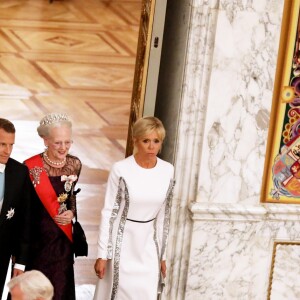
point(7, 126)
point(33, 284)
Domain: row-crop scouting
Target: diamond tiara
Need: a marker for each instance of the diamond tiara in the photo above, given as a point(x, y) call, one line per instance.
point(54, 118)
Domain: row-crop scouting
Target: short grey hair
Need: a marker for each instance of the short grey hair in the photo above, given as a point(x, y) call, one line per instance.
point(34, 285)
point(53, 120)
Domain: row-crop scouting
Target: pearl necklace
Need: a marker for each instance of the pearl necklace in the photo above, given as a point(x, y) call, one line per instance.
point(54, 162)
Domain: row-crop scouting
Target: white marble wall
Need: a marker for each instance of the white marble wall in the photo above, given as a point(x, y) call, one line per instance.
point(232, 248)
point(239, 101)
point(225, 250)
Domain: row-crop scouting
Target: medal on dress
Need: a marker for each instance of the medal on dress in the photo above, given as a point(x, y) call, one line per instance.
point(61, 199)
point(68, 181)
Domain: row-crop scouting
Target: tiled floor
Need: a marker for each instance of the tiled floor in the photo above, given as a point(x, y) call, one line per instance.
point(78, 57)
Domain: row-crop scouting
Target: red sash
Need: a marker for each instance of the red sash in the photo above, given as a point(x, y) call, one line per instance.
point(45, 191)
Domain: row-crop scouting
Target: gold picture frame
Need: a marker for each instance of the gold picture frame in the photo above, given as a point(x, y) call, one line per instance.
point(272, 269)
point(281, 182)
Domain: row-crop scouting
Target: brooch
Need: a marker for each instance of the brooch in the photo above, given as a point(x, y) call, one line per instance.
point(10, 213)
point(68, 181)
point(35, 173)
point(62, 206)
point(62, 198)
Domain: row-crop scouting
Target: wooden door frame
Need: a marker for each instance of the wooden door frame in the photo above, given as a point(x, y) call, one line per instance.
point(141, 68)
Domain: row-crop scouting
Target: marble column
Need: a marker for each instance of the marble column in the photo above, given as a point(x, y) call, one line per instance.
point(189, 142)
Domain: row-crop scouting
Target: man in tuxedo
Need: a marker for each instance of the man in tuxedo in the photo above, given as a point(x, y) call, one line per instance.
point(15, 191)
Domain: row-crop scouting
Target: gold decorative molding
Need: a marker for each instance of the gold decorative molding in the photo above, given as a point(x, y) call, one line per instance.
point(271, 277)
point(280, 179)
point(141, 68)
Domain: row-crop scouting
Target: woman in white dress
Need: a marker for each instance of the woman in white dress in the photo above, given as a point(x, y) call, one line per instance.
point(135, 219)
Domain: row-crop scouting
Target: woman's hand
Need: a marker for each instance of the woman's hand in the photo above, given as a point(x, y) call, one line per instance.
point(163, 268)
point(64, 218)
point(100, 267)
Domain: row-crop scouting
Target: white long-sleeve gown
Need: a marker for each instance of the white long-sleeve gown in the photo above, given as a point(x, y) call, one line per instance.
point(134, 249)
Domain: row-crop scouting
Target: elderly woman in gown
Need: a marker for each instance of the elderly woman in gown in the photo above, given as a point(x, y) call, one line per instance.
point(135, 219)
point(54, 173)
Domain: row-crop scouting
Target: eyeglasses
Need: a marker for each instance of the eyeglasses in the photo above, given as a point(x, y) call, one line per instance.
point(60, 144)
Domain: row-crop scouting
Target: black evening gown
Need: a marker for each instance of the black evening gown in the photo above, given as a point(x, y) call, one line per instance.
point(52, 251)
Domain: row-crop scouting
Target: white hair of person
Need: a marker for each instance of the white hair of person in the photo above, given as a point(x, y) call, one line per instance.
point(34, 285)
point(53, 120)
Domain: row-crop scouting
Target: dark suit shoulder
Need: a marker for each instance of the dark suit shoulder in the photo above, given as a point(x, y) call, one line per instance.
point(13, 164)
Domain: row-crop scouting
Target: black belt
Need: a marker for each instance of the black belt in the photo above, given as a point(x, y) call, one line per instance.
point(140, 221)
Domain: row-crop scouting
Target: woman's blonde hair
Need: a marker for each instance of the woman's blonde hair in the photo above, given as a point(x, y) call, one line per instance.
point(147, 125)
